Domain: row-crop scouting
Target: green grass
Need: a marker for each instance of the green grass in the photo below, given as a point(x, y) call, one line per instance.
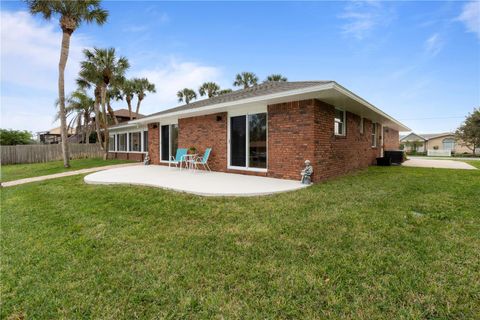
point(386, 243)
point(475, 163)
point(20, 171)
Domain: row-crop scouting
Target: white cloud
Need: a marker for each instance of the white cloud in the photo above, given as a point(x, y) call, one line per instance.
point(30, 52)
point(173, 76)
point(362, 17)
point(433, 44)
point(470, 16)
point(29, 56)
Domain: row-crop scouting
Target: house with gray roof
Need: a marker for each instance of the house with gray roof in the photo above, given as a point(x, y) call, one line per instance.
point(422, 142)
point(268, 129)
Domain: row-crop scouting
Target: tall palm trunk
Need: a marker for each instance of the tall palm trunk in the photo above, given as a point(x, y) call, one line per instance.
point(111, 113)
point(105, 127)
point(97, 116)
point(138, 105)
point(129, 104)
point(61, 95)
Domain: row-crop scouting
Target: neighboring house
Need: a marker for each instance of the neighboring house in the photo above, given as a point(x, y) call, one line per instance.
point(123, 115)
point(433, 141)
point(269, 130)
point(53, 136)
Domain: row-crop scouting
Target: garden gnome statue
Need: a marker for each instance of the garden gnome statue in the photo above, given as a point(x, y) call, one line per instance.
point(307, 173)
point(146, 161)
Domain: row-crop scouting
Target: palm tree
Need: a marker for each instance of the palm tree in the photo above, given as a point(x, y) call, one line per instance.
point(186, 95)
point(102, 69)
point(113, 93)
point(210, 89)
point(80, 106)
point(276, 77)
point(245, 79)
point(142, 86)
point(224, 91)
point(72, 14)
point(128, 90)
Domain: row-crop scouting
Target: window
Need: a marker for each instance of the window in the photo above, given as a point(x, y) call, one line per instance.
point(169, 141)
point(122, 142)
point(448, 144)
point(361, 125)
point(248, 141)
point(374, 134)
point(134, 142)
point(339, 122)
point(145, 141)
point(111, 143)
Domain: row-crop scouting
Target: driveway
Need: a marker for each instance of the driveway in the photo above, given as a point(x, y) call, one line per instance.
point(433, 163)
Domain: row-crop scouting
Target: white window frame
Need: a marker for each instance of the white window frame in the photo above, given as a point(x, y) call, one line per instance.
point(246, 113)
point(141, 142)
point(128, 131)
point(344, 122)
point(169, 124)
point(374, 134)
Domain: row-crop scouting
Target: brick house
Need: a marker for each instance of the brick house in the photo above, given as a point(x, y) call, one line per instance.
point(268, 130)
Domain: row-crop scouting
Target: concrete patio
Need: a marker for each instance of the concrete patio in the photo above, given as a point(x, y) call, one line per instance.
point(200, 182)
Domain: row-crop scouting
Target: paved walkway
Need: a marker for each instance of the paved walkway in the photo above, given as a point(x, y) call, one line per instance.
point(65, 174)
point(200, 182)
point(431, 163)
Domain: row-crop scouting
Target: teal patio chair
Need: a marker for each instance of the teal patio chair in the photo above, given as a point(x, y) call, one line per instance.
point(203, 160)
point(179, 158)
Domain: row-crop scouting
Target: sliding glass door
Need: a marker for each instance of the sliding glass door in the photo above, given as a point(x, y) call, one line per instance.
point(248, 141)
point(169, 141)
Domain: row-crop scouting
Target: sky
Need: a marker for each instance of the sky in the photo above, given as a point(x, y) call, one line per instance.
point(417, 61)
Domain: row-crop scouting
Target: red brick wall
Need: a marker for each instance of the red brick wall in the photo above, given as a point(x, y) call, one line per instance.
point(126, 156)
point(154, 142)
point(297, 131)
point(209, 131)
point(290, 138)
point(337, 155)
point(391, 139)
point(303, 130)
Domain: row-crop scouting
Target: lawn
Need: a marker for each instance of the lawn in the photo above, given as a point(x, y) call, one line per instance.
point(386, 243)
point(20, 171)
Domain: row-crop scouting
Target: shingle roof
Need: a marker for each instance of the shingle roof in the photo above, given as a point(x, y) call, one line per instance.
point(124, 113)
point(429, 136)
point(255, 91)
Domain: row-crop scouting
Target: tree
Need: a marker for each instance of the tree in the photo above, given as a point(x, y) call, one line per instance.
point(224, 91)
point(245, 79)
point(9, 137)
point(128, 91)
point(186, 95)
point(113, 93)
point(72, 14)
point(102, 69)
point(276, 77)
point(210, 89)
point(81, 106)
point(468, 133)
point(141, 87)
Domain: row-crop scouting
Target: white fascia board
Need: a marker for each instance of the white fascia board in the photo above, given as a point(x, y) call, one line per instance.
point(128, 125)
point(370, 106)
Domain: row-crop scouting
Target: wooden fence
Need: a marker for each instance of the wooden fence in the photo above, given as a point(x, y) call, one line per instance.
point(35, 153)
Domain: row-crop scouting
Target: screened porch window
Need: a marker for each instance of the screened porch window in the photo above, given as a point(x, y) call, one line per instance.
point(111, 143)
point(134, 141)
point(122, 142)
